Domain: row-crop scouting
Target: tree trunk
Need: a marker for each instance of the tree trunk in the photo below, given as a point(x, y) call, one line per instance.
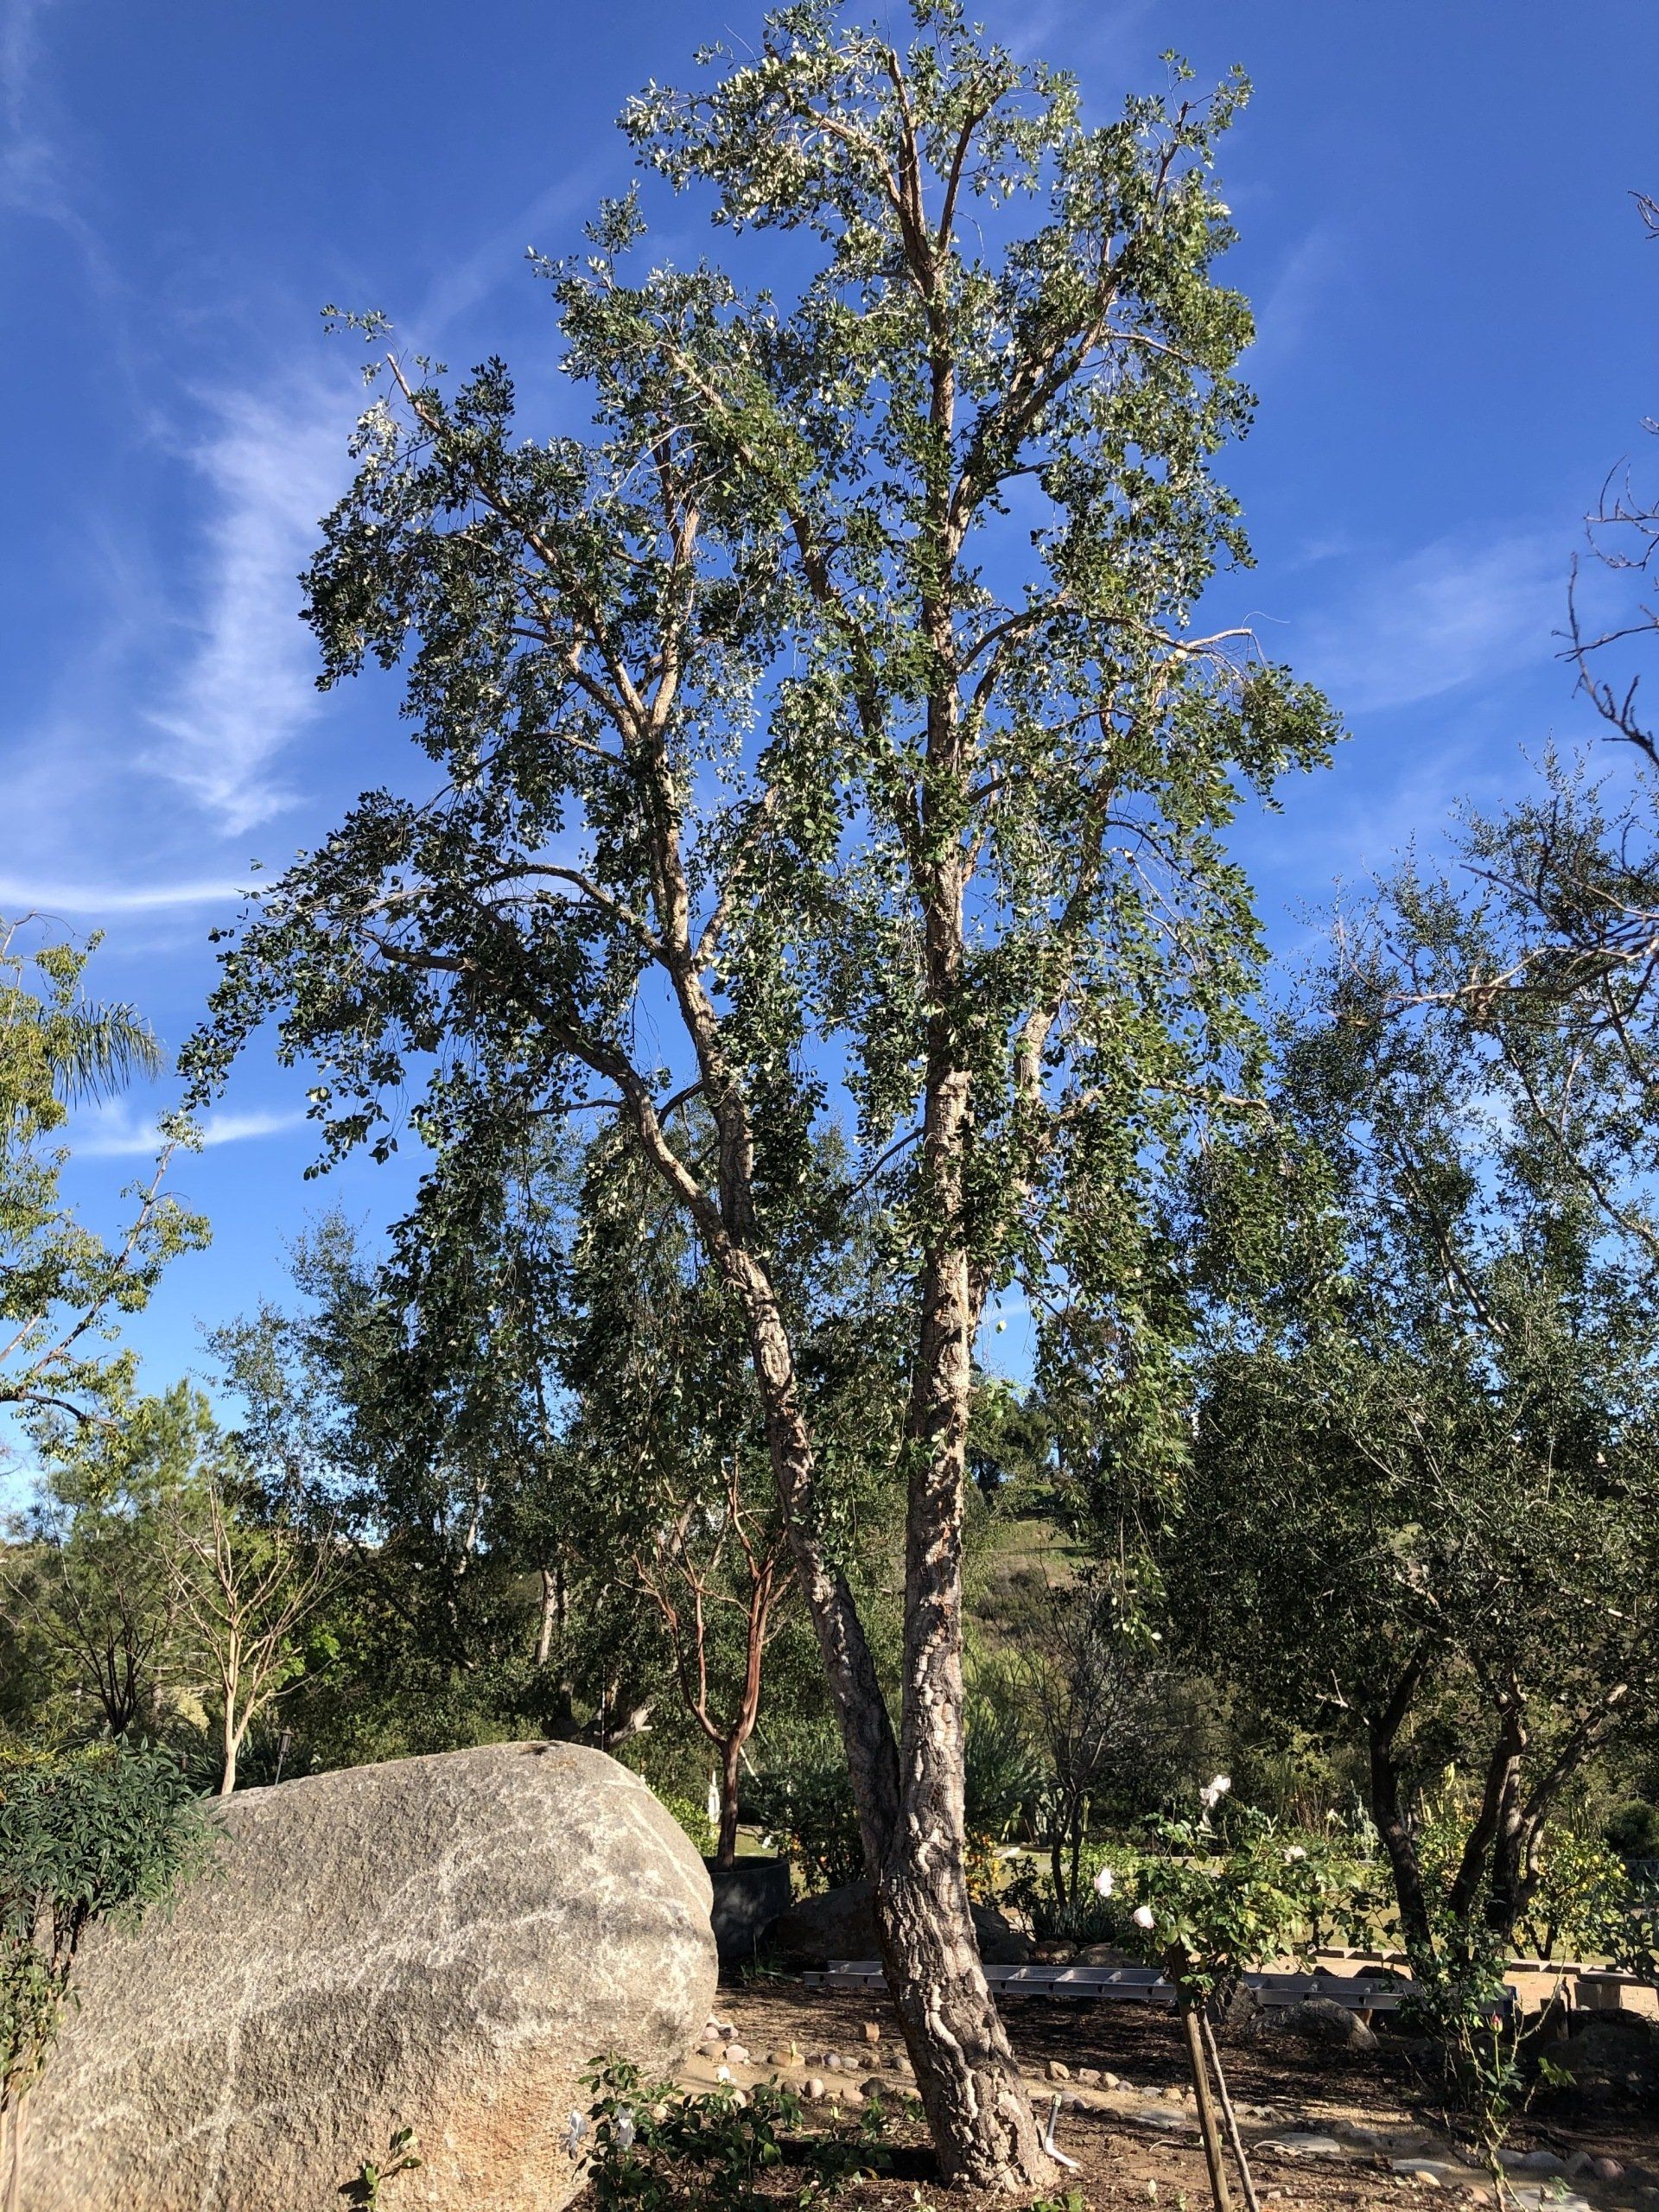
point(544, 1624)
point(987, 2134)
point(725, 1848)
point(232, 1744)
point(981, 2123)
point(14, 2111)
point(1386, 1810)
point(1383, 1729)
point(913, 1832)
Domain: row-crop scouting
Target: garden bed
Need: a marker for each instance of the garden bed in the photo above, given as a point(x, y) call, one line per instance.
point(1135, 2144)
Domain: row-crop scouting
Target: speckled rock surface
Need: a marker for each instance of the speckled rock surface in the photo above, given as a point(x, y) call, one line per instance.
point(435, 1943)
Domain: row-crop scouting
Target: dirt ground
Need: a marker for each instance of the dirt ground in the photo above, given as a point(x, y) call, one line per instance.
point(1360, 2117)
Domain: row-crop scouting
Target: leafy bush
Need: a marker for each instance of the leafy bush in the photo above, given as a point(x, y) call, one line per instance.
point(802, 1797)
point(1632, 1829)
point(104, 1835)
point(1003, 1777)
point(693, 1818)
point(652, 2149)
point(1086, 1917)
point(1581, 1906)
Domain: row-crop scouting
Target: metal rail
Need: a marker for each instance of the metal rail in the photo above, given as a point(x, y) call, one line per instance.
point(1144, 1986)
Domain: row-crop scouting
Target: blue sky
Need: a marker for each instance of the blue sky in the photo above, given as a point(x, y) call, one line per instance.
point(1458, 314)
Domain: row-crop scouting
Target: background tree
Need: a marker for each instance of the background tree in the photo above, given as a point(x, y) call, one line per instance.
point(92, 1580)
point(1422, 1508)
point(829, 713)
point(1089, 1684)
point(244, 1585)
point(63, 1289)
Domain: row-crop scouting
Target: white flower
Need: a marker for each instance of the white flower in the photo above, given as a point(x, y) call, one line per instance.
point(1142, 1916)
point(1296, 1852)
point(1218, 1786)
point(573, 2134)
point(722, 2073)
point(1104, 1883)
point(623, 2130)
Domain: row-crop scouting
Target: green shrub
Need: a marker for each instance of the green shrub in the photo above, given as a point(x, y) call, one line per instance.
point(693, 1818)
point(1210, 1906)
point(1581, 1906)
point(802, 1797)
point(651, 2149)
point(105, 1834)
point(1632, 1829)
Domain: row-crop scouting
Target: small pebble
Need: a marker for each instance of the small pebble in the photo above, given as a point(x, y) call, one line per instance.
point(832, 2059)
point(814, 2091)
point(1089, 2076)
point(1059, 2070)
point(872, 2031)
point(1606, 2169)
point(738, 2054)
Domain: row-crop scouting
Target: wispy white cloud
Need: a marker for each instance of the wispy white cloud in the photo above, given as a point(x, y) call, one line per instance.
point(20, 896)
point(1454, 613)
point(27, 162)
point(1059, 30)
point(37, 167)
point(499, 258)
point(272, 465)
point(115, 1132)
point(1285, 311)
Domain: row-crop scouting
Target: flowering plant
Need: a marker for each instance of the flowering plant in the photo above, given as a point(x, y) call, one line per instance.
point(1206, 1908)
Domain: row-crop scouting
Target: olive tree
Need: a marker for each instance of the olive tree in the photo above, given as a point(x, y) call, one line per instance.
point(824, 722)
point(1423, 1513)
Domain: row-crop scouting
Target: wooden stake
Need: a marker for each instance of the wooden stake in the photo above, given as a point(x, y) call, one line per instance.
point(1207, 2128)
point(1247, 2180)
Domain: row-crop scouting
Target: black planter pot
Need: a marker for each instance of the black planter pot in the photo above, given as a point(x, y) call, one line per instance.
point(748, 1897)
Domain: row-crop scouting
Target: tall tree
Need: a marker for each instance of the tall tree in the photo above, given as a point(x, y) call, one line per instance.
point(829, 715)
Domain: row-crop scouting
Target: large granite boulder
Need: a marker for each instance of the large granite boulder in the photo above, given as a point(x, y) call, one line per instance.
point(440, 1944)
point(841, 1924)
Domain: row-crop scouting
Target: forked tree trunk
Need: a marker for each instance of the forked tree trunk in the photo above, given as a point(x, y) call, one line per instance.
point(909, 1798)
